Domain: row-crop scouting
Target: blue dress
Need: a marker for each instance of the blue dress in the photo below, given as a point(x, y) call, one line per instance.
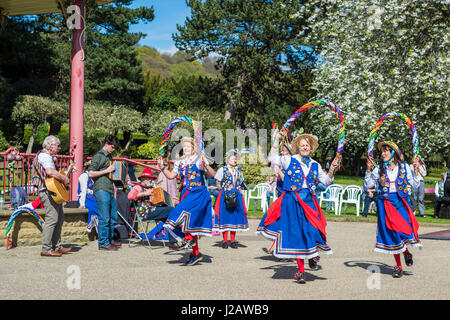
point(91, 204)
point(396, 223)
point(296, 226)
point(194, 212)
point(236, 219)
point(270, 231)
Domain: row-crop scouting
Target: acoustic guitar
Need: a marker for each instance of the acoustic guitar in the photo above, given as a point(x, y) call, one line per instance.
point(60, 193)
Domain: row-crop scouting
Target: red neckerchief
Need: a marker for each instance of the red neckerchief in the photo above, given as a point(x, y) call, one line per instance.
point(274, 213)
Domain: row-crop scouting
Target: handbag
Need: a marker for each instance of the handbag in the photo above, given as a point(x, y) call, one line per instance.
point(231, 201)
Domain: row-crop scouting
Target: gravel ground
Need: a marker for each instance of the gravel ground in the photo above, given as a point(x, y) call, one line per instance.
point(246, 273)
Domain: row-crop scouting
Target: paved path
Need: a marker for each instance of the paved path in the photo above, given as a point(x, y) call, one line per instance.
point(244, 273)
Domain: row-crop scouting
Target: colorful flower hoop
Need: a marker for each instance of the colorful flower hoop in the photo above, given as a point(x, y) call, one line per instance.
point(11, 222)
point(377, 126)
point(339, 116)
point(197, 135)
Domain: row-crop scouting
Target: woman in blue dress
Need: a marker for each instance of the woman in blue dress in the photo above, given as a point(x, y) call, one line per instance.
point(295, 218)
point(266, 231)
point(194, 212)
point(396, 224)
point(229, 208)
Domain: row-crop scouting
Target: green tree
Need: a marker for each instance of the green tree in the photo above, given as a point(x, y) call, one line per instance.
point(25, 64)
point(101, 118)
point(149, 150)
point(112, 70)
point(379, 57)
point(261, 55)
point(4, 144)
point(36, 110)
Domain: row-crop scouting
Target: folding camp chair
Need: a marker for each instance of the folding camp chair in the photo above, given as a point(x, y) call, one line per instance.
point(142, 225)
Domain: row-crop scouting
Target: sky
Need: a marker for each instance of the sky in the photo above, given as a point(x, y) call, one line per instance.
point(168, 13)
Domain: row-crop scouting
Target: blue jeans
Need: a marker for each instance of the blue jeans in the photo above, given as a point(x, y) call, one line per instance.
point(418, 195)
point(107, 216)
point(366, 203)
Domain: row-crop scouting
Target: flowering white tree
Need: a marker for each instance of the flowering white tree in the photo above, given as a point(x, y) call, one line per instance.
point(379, 57)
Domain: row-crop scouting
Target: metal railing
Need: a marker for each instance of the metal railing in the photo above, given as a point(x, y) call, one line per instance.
point(16, 169)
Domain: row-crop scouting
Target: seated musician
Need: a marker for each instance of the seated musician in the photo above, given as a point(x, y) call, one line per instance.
point(141, 194)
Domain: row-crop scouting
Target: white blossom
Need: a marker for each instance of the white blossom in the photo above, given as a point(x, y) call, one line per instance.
point(385, 56)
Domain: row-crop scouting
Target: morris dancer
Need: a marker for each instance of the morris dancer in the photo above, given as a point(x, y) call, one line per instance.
point(296, 217)
point(397, 226)
point(229, 208)
point(262, 229)
point(194, 212)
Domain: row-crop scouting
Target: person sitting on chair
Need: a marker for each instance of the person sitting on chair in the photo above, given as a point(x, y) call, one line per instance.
point(440, 196)
point(141, 194)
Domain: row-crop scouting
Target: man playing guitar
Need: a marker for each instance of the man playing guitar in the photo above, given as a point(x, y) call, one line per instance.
point(44, 168)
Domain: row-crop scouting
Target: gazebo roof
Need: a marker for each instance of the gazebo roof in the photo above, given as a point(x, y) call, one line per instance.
point(26, 7)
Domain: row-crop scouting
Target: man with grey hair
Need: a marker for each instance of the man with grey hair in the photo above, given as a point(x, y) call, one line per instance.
point(43, 168)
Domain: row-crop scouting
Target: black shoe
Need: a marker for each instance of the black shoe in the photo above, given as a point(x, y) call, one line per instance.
point(234, 245)
point(194, 259)
point(109, 247)
point(313, 264)
point(174, 246)
point(225, 245)
point(187, 244)
point(397, 272)
point(408, 259)
point(300, 277)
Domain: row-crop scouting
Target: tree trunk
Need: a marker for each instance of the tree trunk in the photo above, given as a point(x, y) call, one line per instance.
point(127, 135)
point(323, 158)
point(55, 127)
point(356, 163)
point(229, 113)
point(31, 141)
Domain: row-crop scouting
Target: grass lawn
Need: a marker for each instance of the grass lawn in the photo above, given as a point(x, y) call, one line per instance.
point(351, 213)
point(432, 177)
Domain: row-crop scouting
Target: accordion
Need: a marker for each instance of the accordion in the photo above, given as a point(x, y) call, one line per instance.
point(119, 176)
point(161, 198)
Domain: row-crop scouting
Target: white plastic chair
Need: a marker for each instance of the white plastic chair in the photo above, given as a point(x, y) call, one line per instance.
point(353, 196)
point(259, 192)
point(245, 195)
point(333, 194)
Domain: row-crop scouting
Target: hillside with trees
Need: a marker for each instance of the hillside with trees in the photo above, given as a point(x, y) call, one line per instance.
point(177, 65)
